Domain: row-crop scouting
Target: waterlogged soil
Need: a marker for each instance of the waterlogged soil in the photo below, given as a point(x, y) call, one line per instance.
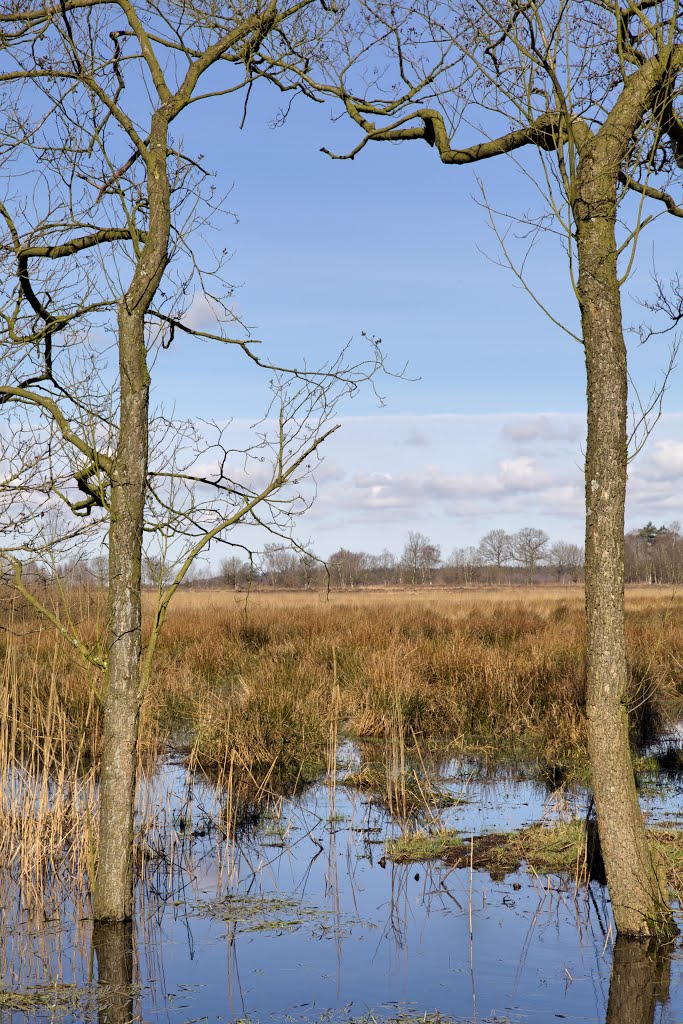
point(304, 918)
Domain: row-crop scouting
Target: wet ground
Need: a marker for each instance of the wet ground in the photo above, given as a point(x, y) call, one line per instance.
point(303, 919)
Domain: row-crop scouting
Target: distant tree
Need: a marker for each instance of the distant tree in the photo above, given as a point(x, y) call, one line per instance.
point(462, 565)
point(348, 568)
point(156, 572)
point(420, 557)
point(280, 565)
point(99, 569)
point(234, 571)
point(654, 554)
point(651, 533)
point(309, 569)
point(529, 548)
point(382, 567)
point(72, 571)
point(567, 560)
point(495, 548)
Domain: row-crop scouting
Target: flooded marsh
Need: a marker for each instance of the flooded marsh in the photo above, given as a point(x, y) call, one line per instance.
point(302, 916)
point(316, 819)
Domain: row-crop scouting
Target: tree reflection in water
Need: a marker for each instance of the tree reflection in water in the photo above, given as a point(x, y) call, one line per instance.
point(639, 982)
point(114, 951)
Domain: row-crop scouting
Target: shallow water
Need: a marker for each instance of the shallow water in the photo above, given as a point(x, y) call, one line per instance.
point(303, 919)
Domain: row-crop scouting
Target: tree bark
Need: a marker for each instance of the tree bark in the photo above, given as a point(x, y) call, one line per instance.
point(113, 888)
point(114, 879)
point(637, 885)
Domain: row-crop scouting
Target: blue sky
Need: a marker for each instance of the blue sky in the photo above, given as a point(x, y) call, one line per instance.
point(491, 432)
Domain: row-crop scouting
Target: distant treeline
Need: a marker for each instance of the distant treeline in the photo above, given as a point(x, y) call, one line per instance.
point(653, 554)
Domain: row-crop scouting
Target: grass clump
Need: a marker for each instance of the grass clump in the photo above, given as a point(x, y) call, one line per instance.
point(417, 847)
point(561, 848)
point(405, 790)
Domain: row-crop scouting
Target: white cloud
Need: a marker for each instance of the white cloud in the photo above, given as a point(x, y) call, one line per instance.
point(204, 313)
point(371, 490)
point(522, 474)
point(667, 458)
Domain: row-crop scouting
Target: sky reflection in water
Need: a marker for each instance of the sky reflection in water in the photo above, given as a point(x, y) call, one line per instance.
point(319, 924)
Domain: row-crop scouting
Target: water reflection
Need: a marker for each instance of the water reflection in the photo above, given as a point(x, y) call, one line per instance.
point(301, 917)
point(641, 975)
point(113, 945)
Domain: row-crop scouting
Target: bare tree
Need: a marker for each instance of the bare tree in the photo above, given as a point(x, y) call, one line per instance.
point(310, 567)
point(382, 567)
point(280, 565)
point(590, 89)
point(463, 563)
point(567, 560)
point(495, 552)
point(100, 202)
point(348, 568)
point(234, 571)
point(528, 547)
point(495, 549)
point(420, 557)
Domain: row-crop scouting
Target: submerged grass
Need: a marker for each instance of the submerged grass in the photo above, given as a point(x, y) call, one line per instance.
point(52, 997)
point(260, 913)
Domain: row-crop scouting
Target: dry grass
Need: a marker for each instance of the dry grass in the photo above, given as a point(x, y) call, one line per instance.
point(504, 668)
point(255, 691)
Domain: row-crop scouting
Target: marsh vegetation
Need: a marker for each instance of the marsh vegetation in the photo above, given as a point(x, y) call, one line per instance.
point(295, 749)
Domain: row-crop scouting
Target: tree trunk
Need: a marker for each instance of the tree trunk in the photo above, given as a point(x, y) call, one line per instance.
point(637, 887)
point(113, 889)
point(113, 895)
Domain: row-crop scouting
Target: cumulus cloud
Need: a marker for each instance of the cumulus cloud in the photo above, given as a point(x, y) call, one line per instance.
point(483, 472)
point(666, 458)
point(432, 484)
point(375, 482)
point(523, 474)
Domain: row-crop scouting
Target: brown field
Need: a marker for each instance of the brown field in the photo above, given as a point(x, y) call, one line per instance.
point(256, 690)
point(493, 666)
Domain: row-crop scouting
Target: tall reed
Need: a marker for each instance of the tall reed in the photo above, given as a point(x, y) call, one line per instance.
point(255, 695)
